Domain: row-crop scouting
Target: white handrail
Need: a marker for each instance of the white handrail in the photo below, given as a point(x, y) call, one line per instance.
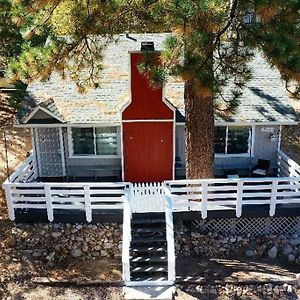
point(170, 235)
point(127, 215)
point(287, 166)
point(201, 195)
point(25, 170)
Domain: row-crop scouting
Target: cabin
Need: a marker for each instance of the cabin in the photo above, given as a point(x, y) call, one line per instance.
point(117, 153)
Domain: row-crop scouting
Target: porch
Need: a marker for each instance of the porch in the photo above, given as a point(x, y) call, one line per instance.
point(190, 199)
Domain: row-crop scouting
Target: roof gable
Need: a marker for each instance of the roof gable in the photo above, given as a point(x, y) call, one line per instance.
point(264, 98)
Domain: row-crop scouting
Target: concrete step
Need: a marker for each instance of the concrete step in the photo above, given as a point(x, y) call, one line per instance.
point(149, 292)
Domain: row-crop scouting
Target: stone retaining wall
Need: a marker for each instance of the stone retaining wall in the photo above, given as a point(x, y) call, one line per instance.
point(189, 241)
point(55, 242)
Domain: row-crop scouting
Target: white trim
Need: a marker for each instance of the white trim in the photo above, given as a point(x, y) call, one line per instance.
point(62, 151)
point(174, 145)
point(91, 156)
point(252, 150)
point(248, 123)
point(38, 152)
point(148, 120)
point(279, 138)
point(122, 151)
point(250, 144)
point(34, 151)
point(45, 111)
point(177, 124)
point(113, 124)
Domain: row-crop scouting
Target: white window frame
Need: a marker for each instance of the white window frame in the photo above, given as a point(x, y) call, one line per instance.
point(250, 144)
point(90, 156)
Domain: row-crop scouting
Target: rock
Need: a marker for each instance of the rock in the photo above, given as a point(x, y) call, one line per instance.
point(291, 257)
point(295, 241)
point(249, 253)
point(232, 239)
point(50, 256)
point(56, 234)
point(287, 249)
point(195, 235)
point(298, 280)
point(289, 289)
point(272, 253)
point(276, 291)
point(76, 253)
point(11, 242)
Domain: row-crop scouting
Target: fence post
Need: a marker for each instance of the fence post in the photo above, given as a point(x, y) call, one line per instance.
point(49, 203)
point(239, 199)
point(204, 200)
point(273, 198)
point(87, 201)
point(9, 201)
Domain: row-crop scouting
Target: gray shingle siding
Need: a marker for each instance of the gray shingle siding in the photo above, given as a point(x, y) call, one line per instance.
point(264, 99)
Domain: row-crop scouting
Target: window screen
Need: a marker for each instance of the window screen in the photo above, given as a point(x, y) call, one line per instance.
point(220, 139)
point(106, 141)
point(238, 140)
point(83, 141)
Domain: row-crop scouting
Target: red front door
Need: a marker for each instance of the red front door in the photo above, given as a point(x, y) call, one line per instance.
point(148, 151)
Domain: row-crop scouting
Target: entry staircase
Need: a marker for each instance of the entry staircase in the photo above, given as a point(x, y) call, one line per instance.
point(148, 238)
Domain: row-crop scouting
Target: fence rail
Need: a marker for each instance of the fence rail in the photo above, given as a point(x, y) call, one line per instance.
point(23, 192)
point(286, 166)
point(64, 196)
point(233, 194)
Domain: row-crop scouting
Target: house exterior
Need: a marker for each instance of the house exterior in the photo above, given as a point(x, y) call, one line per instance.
point(117, 153)
point(126, 123)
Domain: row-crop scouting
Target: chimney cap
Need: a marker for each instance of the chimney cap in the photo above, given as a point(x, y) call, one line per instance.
point(147, 46)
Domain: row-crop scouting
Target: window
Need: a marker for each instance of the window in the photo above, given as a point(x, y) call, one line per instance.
point(232, 140)
point(95, 141)
point(106, 141)
point(83, 141)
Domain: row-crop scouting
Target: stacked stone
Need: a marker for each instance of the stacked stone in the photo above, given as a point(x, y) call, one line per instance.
point(190, 242)
point(52, 242)
point(229, 291)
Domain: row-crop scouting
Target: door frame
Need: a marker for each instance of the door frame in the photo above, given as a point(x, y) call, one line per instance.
point(143, 121)
point(35, 138)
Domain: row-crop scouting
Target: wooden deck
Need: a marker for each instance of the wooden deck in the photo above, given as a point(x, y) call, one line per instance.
point(104, 201)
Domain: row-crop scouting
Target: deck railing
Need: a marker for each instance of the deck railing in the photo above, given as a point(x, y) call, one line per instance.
point(84, 196)
point(26, 172)
point(170, 236)
point(233, 194)
point(127, 216)
point(23, 192)
point(286, 166)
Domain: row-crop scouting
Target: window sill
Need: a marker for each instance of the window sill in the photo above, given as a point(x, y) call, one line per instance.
point(94, 156)
point(233, 155)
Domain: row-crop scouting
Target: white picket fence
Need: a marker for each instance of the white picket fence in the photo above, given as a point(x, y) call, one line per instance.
point(147, 197)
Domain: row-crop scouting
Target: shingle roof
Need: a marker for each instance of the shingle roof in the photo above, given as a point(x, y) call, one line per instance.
point(264, 99)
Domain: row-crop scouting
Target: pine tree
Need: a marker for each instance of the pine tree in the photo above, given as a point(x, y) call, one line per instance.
point(211, 43)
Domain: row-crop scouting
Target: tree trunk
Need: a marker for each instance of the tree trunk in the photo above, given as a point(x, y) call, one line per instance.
point(199, 131)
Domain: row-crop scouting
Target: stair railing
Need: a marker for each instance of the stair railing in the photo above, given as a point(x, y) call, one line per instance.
point(127, 215)
point(170, 234)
